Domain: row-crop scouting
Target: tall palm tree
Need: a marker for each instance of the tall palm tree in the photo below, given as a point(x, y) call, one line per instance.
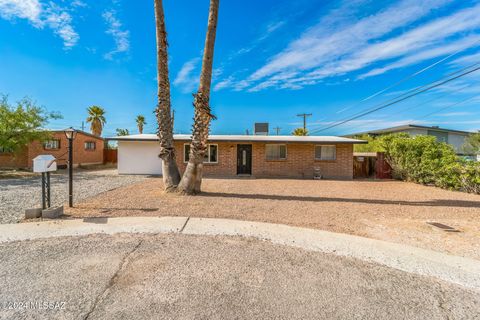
point(96, 118)
point(140, 120)
point(171, 175)
point(192, 177)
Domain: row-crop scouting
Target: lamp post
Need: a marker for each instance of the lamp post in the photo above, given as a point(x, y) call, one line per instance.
point(70, 133)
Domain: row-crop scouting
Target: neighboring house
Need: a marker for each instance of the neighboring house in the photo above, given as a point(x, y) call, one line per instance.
point(87, 149)
point(456, 138)
point(255, 155)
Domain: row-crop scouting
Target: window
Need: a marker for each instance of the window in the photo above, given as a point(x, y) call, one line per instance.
point(276, 151)
point(51, 144)
point(325, 152)
point(211, 156)
point(439, 135)
point(90, 145)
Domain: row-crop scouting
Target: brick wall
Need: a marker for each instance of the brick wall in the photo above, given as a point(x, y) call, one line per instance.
point(80, 155)
point(25, 158)
point(18, 160)
point(300, 162)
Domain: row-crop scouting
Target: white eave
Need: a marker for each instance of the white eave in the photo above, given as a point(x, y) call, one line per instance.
point(246, 139)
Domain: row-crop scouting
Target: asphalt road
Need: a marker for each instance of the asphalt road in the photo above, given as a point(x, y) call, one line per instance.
point(177, 276)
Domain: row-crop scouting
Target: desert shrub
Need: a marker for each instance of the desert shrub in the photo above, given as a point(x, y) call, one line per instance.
point(422, 159)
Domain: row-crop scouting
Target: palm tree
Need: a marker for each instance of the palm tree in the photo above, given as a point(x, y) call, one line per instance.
point(171, 175)
point(96, 117)
point(192, 177)
point(122, 132)
point(300, 132)
point(140, 120)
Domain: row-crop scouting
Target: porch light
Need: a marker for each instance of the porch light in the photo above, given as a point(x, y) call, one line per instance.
point(70, 133)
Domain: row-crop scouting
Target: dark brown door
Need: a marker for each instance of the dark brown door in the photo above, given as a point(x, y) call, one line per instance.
point(244, 159)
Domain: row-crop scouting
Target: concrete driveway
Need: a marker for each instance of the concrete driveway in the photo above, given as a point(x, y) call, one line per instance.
point(182, 276)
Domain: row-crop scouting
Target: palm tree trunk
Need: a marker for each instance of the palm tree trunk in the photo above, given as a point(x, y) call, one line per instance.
point(171, 175)
point(192, 178)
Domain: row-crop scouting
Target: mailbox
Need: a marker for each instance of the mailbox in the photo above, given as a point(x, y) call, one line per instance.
point(44, 163)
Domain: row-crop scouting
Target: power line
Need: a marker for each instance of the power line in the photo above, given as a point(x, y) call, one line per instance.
point(449, 106)
point(419, 88)
point(408, 92)
point(411, 91)
point(383, 106)
point(406, 78)
point(436, 98)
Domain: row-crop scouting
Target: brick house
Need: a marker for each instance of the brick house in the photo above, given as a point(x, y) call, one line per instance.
point(87, 149)
point(251, 155)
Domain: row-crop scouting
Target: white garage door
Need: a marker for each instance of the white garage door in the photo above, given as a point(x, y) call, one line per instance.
point(139, 157)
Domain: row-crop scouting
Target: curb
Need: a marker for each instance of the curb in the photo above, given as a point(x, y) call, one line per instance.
point(458, 270)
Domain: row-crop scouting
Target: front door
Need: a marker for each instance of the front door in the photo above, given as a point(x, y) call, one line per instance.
point(244, 159)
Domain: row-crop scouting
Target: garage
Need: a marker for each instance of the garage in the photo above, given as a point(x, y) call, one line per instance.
point(139, 157)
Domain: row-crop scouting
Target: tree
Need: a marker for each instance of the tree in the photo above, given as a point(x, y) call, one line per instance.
point(192, 177)
point(122, 132)
point(23, 123)
point(374, 144)
point(300, 132)
point(96, 118)
point(472, 144)
point(140, 120)
point(171, 174)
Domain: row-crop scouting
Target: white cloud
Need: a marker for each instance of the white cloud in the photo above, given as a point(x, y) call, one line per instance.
point(427, 54)
point(120, 36)
point(320, 44)
point(455, 114)
point(466, 59)
point(339, 44)
point(61, 23)
point(185, 78)
point(225, 83)
point(23, 9)
point(39, 15)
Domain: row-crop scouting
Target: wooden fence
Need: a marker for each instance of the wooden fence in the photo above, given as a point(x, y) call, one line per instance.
point(371, 165)
point(110, 156)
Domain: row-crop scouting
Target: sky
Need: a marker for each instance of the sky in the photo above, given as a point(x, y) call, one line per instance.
point(273, 59)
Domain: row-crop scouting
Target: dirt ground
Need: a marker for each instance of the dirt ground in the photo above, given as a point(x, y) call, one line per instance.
point(387, 210)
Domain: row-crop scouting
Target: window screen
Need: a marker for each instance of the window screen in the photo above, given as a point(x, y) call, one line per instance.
point(90, 145)
point(276, 151)
point(325, 152)
point(51, 144)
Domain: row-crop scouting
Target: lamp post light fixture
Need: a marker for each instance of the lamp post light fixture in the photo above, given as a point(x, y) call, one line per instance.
point(70, 133)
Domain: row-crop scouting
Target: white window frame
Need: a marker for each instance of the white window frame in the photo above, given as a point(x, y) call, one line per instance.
point(276, 144)
point(208, 153)
point(324, 145)
point(51, 140)
point(88, 149)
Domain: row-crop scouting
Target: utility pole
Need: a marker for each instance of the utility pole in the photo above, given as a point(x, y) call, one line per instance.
point(304, 115)
point(277, 130)
point(83, 125)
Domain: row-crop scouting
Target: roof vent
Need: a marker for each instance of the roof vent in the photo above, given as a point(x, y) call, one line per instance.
point(261, 129)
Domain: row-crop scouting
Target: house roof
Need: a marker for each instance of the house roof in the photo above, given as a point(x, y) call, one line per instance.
point(409, 126)
point(81, 132)
point(246, 138)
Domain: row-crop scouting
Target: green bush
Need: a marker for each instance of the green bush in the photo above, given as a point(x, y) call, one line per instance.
point(422, 159)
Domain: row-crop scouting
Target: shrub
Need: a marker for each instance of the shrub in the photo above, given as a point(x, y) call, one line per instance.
point(422, 159)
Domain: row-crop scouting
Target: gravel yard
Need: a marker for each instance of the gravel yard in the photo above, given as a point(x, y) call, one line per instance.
point(19, 194)
point(387, 210)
